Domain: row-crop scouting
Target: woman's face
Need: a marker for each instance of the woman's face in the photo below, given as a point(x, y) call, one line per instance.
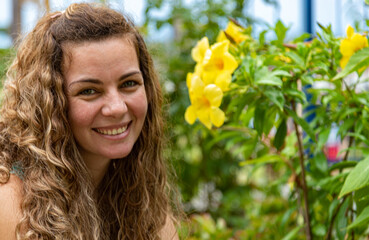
point(106, 97)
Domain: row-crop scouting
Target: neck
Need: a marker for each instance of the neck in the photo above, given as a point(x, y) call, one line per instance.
point(97, 168)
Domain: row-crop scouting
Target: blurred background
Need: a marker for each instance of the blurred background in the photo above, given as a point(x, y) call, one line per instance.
point(221, 198)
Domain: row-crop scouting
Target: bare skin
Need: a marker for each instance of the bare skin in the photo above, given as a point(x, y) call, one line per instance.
point(10, 214)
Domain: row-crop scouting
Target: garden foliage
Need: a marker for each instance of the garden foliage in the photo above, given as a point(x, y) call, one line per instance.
point(264, 173)
point(279, 108)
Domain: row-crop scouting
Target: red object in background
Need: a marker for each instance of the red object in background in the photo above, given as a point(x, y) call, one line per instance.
point(331, 152)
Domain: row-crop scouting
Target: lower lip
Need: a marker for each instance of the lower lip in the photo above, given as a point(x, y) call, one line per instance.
point(119, 136)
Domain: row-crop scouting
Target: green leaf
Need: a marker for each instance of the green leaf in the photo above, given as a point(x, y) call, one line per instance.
point(346, 126)
point(262, 37)
point(320, 162)
point(290, 149)
point(276, 97)
point(359, 137)
point(367, 2)
point(268, 158)
point(358, 60)
point(341, 220)
point(280, 135)
point(296, 59)
point(333, 184)
point(342, 165)
point(269, 119)
point(302, 123)
point(307, 79)
point(362, 219)
point(281, 73)
point(296, 94)
point(319, 230)
point(280, 31)
point(259, 119)
point(292, 234)
point(323, 137)
point(357, 178)
point(264, 77)
point(332, 208)
point(361, 199)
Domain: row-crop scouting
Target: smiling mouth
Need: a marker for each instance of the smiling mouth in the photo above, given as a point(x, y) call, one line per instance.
point(112, 132)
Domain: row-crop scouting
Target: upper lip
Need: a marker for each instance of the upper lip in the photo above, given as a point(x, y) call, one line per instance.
point(112, 127)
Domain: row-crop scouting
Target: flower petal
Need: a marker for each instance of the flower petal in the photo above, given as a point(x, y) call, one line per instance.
point(190, 115)
point(344, 61)
point(220, 48)
point(221, 36)
point(230, 63)
point(235, 32)
point(198, 52)
point(197, 85)
point(217, 116)
point(223, 81)
point(214, 95)
point(209, 77)
point(358, 41)
point(204, 116)
point(346, 48)
point(189, 80)
point(349, 31)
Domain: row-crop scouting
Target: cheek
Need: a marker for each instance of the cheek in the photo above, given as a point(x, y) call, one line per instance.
point(142, 106)
point(79, 114)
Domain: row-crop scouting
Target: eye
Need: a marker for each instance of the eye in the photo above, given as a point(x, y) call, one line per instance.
point(87, 92)
point(129, 83)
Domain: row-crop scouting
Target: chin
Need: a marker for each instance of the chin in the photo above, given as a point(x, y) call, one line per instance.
point(117, 155)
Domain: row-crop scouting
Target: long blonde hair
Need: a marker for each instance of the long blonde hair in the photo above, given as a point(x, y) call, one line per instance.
point(59, 200)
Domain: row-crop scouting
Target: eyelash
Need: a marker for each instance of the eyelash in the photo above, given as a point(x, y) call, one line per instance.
point(87, 92)
point(129, 83)
point(126, 84)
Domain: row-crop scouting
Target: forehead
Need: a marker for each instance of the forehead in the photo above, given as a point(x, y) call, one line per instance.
point(104, 60)
point(72, 50)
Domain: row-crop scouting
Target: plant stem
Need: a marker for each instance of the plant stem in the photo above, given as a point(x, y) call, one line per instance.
point(351, 140)
point(330, 229)
point(303, 184)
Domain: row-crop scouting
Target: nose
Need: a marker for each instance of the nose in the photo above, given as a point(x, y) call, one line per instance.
point(114, 105)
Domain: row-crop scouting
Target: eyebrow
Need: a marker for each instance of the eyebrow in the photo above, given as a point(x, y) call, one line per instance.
point(96, 81)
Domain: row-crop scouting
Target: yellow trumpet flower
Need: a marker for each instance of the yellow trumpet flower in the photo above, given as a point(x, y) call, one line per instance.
point(351, 44)
point(198, 52)
point(218, 65)
point(205, 102)
point(234, 31)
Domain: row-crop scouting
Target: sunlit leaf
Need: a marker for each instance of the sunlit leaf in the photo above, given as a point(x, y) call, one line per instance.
point(357, 178)
point(269, 158)
point(362, 219)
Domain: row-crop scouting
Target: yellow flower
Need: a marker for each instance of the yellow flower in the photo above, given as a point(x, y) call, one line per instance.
point(351, 44)
point(283, 58)
point(205, 102)
point(218, 65)
point(234, 31)
point(198, 52)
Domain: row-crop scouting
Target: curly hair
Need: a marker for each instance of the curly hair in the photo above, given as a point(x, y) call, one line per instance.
point(59, 199)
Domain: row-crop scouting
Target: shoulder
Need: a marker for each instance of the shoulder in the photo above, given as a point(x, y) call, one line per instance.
point(169, 231)
point(10, 205)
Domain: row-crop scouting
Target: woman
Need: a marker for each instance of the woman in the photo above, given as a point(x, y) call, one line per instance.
point(81, 133)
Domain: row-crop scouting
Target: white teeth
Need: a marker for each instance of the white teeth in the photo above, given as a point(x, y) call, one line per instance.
point(112, 132)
